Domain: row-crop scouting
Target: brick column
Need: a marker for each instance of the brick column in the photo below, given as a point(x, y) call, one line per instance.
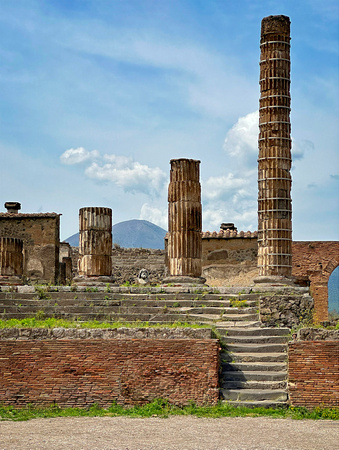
point(95, 243)
point(184, 222)
point(274, 162)
point(11, 260)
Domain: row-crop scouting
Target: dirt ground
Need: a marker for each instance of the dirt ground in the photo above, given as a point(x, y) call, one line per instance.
point(241, 279)
point(183, 433)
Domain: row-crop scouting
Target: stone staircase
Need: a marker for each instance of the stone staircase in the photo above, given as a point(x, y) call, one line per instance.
point(161, 306)
point(253, 368)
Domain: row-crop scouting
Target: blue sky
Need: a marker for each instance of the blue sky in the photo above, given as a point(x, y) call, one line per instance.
point(98, 95)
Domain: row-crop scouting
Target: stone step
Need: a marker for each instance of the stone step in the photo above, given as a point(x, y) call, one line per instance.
point(258, 404)
point(254, 395)
point(90, 308)
point(140, 301)
point(259, 340)
point(199, 300)
point(232, 317)
point(253, 384)
point(249, 375)
point(130, 293)
point(255, 331)
point(252, 367)
point(222, 324)
point(109, 317)
point(256, 348)
point(253, 357)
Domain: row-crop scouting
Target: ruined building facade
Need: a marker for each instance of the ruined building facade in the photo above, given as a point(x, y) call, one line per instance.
point(40, 238)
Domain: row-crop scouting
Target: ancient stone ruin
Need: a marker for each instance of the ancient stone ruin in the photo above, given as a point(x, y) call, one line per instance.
point(274, 178)
point(95, 244)
point(11, 260)
point(257, 366)
point(40, 236)
point(184, 221)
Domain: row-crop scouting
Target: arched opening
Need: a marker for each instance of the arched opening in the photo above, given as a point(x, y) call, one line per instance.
point(333, 294)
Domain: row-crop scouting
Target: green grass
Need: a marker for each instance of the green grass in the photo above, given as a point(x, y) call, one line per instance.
point(40, 322)
point(162, 408)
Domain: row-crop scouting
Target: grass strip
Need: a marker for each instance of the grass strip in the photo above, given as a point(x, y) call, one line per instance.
point(33, 322)
point(162, 408)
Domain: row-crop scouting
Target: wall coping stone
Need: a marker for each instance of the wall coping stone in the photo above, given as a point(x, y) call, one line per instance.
point(317, 334)
point(27, 334)
point(162, 289)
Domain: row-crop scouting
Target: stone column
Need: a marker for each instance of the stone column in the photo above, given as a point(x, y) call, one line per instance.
point(95, 244)
point(184, 222)
point(11, 260)
point(274, 163)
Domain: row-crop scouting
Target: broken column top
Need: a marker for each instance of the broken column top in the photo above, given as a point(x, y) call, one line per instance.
point(184, 159)
point(275, 24)
point(13, 207)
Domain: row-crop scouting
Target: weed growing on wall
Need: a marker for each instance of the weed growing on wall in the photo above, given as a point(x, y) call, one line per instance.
point(235, 303)
point(42, 290)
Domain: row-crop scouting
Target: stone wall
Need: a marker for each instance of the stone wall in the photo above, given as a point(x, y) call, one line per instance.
point(313, 372)
point(127, 263)
point(229, 260)
point(286, 308)
point(40, 236)
point(316, 260)
point(79, 368)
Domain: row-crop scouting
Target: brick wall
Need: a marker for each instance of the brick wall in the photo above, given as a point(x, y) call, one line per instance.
point(313, 371)
point(74, 372)
point(316, 260)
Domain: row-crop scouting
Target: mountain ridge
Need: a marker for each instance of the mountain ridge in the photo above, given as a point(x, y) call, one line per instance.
point(134, 233)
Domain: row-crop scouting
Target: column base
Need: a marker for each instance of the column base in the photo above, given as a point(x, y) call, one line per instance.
point(83, 280)
point(275, 280)
point(10, 280)
point(183, 280)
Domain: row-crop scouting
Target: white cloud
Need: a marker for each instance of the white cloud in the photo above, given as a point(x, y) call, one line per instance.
point(244, 216)
point(242, 139)
point(122, 170)
point(129, 175)
point(119, 161)
point(78, 155)
point(231, 198)
point(226, 187)
point(154, 215)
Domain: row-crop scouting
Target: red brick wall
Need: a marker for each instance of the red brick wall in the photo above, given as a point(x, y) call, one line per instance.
point(316, 260)
point(128, 371)
point(313, 371)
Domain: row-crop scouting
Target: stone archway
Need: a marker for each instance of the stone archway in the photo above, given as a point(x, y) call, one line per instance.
point(316, 260)
point(333, 293)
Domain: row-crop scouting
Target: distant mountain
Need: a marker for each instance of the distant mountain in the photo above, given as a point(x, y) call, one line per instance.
point(132, 234)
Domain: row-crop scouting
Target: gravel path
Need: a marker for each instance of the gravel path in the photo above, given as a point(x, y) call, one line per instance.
point(183, 433)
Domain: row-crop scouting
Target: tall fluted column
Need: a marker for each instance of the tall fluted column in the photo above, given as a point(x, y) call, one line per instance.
point(184, 220)
point(95, 242)
point(274, 163)
point(11, 260)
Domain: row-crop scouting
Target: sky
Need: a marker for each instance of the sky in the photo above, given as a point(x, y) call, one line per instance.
point(97, 96)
